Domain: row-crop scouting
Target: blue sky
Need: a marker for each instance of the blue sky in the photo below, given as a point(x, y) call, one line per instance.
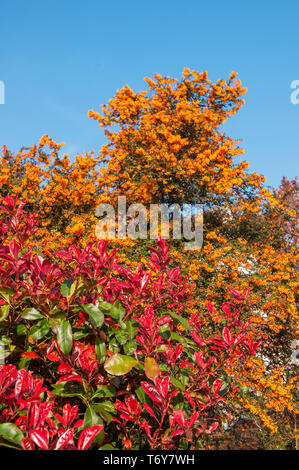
point(58, 59)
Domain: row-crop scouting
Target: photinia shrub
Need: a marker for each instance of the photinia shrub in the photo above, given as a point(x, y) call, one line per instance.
point(95, 355)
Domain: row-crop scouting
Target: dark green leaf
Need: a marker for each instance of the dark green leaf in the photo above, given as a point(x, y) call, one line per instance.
point(65, 337)
point(105, 391)
point(32, 314)
point(68, 389)
point(141, 394)
point(95, 314)
point(117, 311)
point(80, 334)
point(67, 288)
point(39, 330)
point(100, 348)
point(104, 406)
point(91, 418)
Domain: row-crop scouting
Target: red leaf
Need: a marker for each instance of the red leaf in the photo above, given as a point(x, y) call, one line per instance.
point(65, 439)
point(31, 355)
point(20, 383)
point(40, 438)
point(178, 416)
point(27, 444)
point(210, 307)
point(14, 248)
point(152, 392)
point(165, 386)
point(70, 377)
point(217, 386)
point(193, 418)
point(197, 339)
point(237, 295)
point(53, 356)
point(213, 427)
point(226, 308)
point(87, 436)
point(163, 320)
point(149, 410)
point(177, 432)
point(64, 368)
point(227, 336)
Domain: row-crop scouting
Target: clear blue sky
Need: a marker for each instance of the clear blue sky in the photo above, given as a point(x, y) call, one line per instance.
point(58, 59)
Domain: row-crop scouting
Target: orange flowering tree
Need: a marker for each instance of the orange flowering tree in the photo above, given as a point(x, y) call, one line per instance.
point(166, 145)
point(63, 192)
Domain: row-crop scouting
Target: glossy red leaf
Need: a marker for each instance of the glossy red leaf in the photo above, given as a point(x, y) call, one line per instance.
point(87, 436)
point(40, 438)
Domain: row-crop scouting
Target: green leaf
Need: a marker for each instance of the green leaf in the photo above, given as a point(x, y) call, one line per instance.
point(165, 331)
point(11, 432)
point(39, 330)
point(32, 314)
point(106, 416)
point(105, 306)
point(65, 337)
point(113, 346)
point(100, 349)
point(122, 336)
point(177, 338)
point(6, 293)
point(244, 390)
point(4, 311)
point(130, 347)
point(107, 447)
point(6, 340)
point(131, 329)
point(151, 368)
point(95, 314)
point(23, 362)
point(80, 334)
point(21, 329)
point(180, 319)
point(91, 418)
point(177, 383)
point(69, 389)
point(104, 406)
point(105, 391)
point(118, 364)
point(117, 311)
point(140, 394)
point(67, 288)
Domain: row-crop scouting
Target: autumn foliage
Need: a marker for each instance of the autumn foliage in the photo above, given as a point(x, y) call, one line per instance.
point(203, 338)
